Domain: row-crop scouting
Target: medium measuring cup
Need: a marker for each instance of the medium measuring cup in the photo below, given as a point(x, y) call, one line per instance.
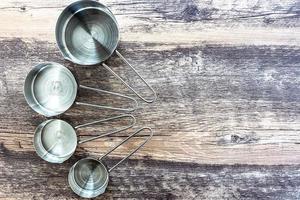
point(89, 177)
point(87, 33)
point(51, 89)
point(55, 140)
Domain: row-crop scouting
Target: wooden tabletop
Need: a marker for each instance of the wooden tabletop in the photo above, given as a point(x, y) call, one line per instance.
point(227, 119)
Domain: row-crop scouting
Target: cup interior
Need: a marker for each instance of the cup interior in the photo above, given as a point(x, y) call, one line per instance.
point(87, 35)
point(55, 141)
point(50, 89)
point(88, 177)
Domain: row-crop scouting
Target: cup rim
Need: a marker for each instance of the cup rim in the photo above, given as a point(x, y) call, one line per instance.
point(61, 26)
point(30, 95)
point(40, 149)
point(95, 192)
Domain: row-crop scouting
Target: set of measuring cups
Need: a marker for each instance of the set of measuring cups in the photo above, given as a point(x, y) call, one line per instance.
point(87, 34)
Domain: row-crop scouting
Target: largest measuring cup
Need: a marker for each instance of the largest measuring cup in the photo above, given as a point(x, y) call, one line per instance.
point(87, 33)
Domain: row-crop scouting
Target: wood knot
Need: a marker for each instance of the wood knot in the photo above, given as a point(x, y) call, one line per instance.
point(193, 13)
point(23, 8)
point(243, 139)
point(190, 13)
point(238, 139)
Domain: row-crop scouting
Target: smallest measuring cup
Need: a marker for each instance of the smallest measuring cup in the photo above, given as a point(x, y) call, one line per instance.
point(56, 140)
point(89, 177)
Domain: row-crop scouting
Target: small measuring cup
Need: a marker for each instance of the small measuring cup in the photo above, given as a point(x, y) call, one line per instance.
point(87, 33)
point(55, 140)
point(51, 89)
point(89, 177)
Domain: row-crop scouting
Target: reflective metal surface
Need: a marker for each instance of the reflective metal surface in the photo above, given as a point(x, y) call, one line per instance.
point(55, 140)
point(50, 89)
point(88, 178)
point(130, 125)
point(87, 32)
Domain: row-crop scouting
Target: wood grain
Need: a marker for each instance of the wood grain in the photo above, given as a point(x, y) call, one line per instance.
point(235, 105)
point(226, 120)
point(150, 179)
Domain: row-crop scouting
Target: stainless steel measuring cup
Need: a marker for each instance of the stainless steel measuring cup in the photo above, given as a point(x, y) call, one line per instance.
point(55, 140)
point(89, 176)
point(87, 33)
point(51, 89)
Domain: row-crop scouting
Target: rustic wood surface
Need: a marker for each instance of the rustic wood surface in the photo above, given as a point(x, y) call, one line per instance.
point(226, 121)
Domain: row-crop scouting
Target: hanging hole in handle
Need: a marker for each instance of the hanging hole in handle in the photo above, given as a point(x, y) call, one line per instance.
point(127, 85)
point(91, 138)
point(124, 141)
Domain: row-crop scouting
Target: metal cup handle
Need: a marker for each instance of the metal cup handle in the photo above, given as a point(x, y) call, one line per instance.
point(131, 153)
point(126, 84)
point(133, 121)
point(108, 107)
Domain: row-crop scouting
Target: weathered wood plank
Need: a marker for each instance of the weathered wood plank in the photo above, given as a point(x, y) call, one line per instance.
point(217, 104)
point(181, 10)
point(25, 176)
point(177, 22)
